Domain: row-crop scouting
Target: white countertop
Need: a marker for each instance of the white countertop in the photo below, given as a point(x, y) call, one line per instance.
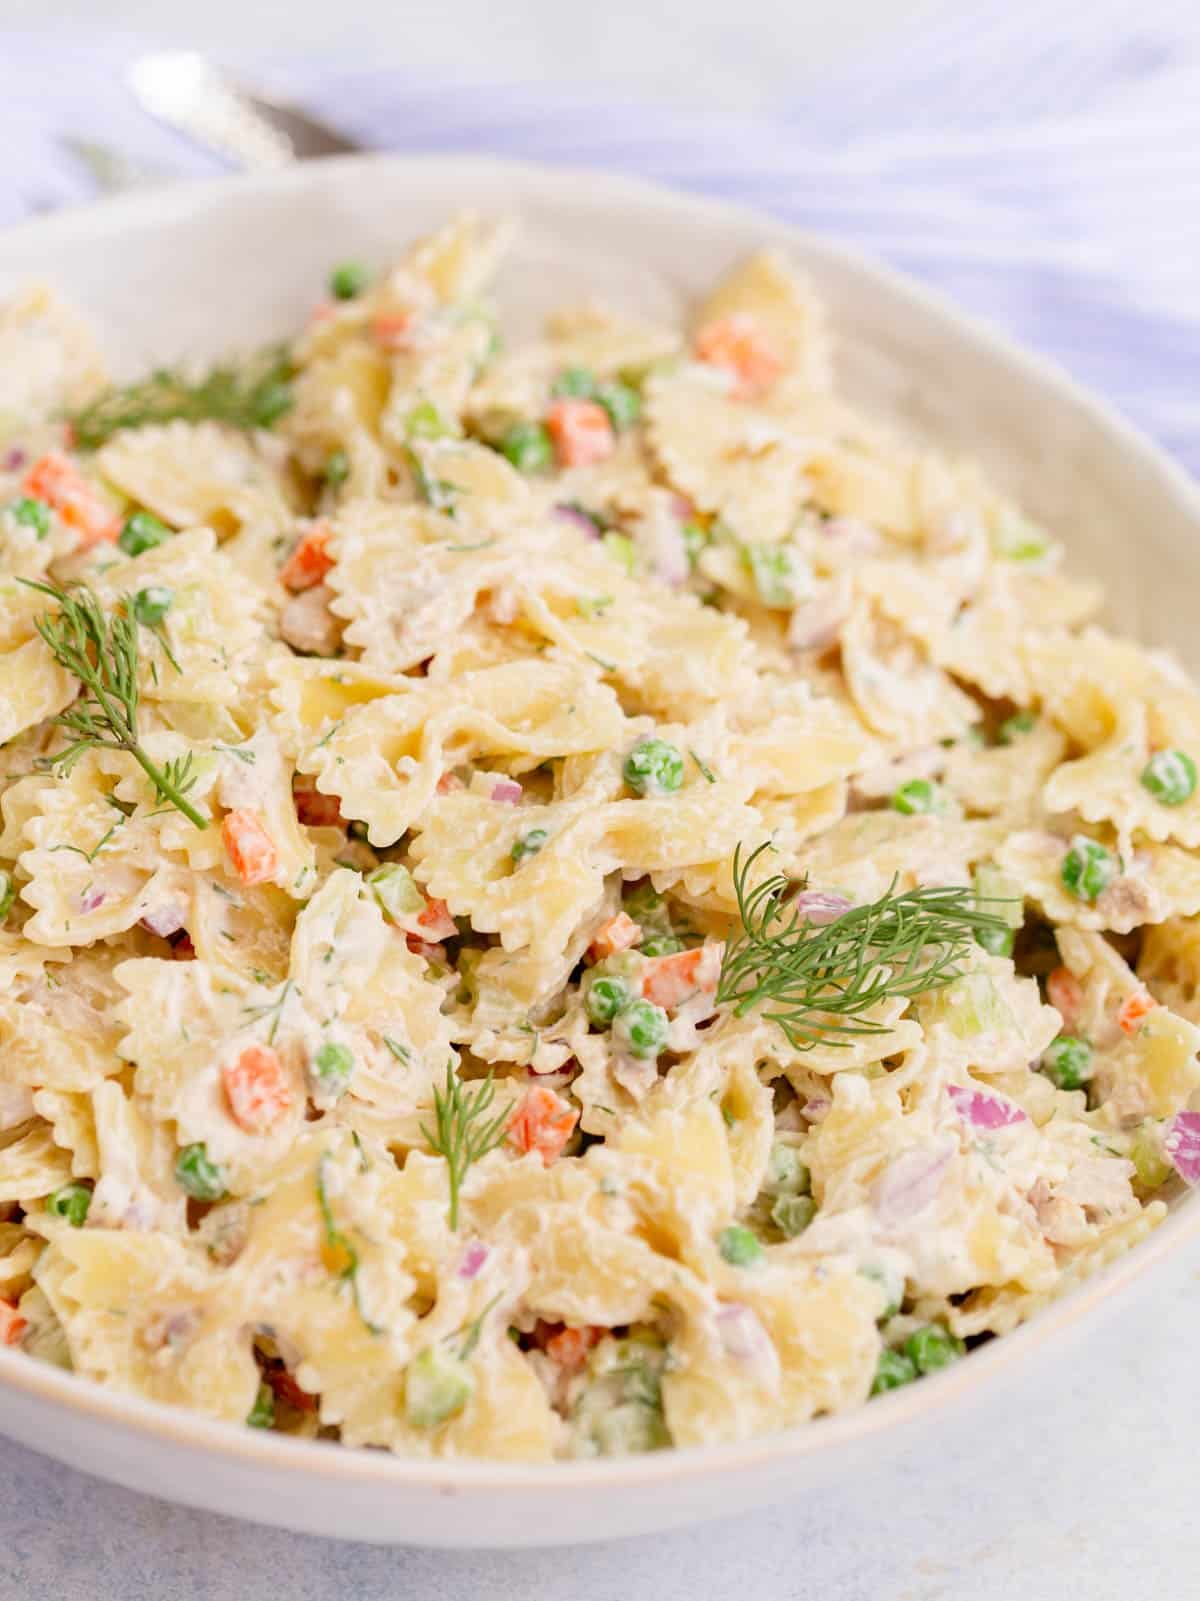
point(1077, 1478)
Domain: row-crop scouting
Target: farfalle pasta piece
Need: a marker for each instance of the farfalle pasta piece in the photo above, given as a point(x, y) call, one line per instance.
point(741, 460)
point(769, 294)
point(1115, 783)
point(197, 474)
point(32, 1166)
point(864, 852)
point(463, 854)
point(1005, 780)
point(385, 761)
point(899, 692)
point(49, 358)
point(1149, 883)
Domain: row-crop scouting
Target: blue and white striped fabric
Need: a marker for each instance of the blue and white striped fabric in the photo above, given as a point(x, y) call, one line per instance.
point(1040, 163)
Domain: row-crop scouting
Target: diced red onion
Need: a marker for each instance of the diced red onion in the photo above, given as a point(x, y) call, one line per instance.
point(745, 1339)
point(576, 514)
point(982, 1109)
point(909, 1183)
point(91, 899)
point(817, 1107)
point(475, 1255)
point(15, 459)
point(507, 791)
point(165, 920)
point(818, 906)
point(1181, 1142)
point(670, 557)
point(683, 508)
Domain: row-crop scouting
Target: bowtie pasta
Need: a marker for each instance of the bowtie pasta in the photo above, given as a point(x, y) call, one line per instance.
point(564, 900)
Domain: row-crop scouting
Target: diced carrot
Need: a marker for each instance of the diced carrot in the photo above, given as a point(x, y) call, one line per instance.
point(256, 1088)
point(392, 330)
point(739, 346)
point(56, 480)
point(582, 432)
point(316, 810)
point(1064, 993)
point(12, 1324)
point(617, 934)
point(309, 563)
point(570, 1347)
point(435, 922)
point(286, 1388)
point(249, 846)
point(1133, 1009)
point(670, 980)
point(542, 1121)
point(423, 948)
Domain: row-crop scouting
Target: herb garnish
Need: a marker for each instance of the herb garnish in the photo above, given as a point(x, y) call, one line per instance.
point(100, 649)
point(253, 395)
point(820, 979)
point(338, 1254)
point(463, 1136)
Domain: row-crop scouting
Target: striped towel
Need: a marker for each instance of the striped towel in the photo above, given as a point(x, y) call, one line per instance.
point(1039, 163)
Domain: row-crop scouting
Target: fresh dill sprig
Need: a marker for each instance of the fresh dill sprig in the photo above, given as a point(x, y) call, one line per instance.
point(463, 1134)
point(254, 394)
point(338, 1254)
point(100, 649)
point(817, 981)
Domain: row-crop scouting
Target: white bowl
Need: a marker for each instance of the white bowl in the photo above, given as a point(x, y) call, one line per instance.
point(197, 268)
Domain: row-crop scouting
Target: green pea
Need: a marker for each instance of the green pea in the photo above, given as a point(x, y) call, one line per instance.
point(932, 1347)
point(437, 1386)
point(660, 945)
point(72, 1202)
point(395, 889)
point(31, 513)
point(336, 469)
point(641, 1028)
point(622, 550)
point(918, 796)
point(529, 844)
point(348, 280)
point(151, 605)
point(425, 421)
point(1012, 727)
point(142, 532)
point(271, 402)
point(653, 767)
point(1170, 776)
point(262, 1414)
point(575, 383)
point(198, 1176)
point(1087, 869)
point(739, 1246)
point(8, 893)
point(791, 1214)
point(894, 1370)
point(1067, 1062)
point(333, 1065)
point(528, 446)
point(605, 998)
point(622, 403)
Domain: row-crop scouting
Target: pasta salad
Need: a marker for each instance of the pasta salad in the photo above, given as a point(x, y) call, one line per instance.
point(563, 899)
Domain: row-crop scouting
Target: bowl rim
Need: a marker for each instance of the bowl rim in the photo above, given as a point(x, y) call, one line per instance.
point(583, 190)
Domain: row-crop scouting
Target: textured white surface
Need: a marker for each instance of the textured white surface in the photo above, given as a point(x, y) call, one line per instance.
point(1079, 1478)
